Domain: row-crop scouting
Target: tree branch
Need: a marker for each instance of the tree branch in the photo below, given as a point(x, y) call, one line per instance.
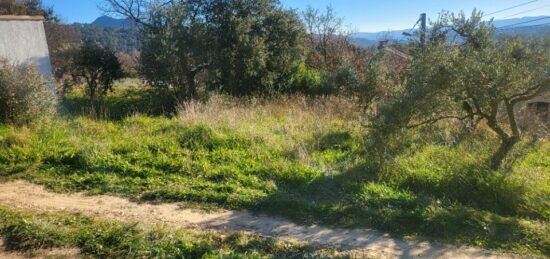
point(131, 9)
point(528, 95)
point(433, 120)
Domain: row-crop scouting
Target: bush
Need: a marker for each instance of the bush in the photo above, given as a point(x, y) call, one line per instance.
point(342, 79)
point(24, 95)
point(306, 79)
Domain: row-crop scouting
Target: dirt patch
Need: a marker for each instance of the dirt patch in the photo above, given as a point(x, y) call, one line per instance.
point(66, 253)
point(364, 242)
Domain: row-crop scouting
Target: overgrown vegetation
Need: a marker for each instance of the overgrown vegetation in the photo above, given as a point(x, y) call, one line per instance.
point(299, 158)
point(27, 7)
point(128, 97)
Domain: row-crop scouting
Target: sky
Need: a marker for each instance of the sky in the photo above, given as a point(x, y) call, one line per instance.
point(361, 15)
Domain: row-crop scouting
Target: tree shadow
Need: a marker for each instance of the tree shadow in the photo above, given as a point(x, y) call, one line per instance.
point(353, 202)
point(117, 107)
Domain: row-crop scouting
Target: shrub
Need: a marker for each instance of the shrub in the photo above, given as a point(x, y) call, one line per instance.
point(24, 95)
point(342, 79)
point(306, 79)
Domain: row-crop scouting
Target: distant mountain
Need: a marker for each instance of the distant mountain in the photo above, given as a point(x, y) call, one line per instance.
point(522, 22)
point(538, 31)
point(365, 43)
point(109, 22)
point(119, 39)
point(382, 35)
point(120, 35)
point(526, 26)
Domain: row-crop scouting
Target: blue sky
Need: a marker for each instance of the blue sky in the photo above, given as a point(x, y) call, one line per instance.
point(362, 15)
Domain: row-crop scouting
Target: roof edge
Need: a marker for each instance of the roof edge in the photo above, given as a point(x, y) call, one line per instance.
point(21, 18)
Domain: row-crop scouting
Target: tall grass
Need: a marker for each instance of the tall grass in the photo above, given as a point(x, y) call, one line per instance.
point(286, 121)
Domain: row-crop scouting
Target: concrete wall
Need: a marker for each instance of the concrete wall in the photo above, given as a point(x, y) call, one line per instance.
point(23, 41)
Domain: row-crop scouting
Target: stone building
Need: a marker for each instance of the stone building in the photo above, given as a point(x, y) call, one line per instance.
point(23, 42)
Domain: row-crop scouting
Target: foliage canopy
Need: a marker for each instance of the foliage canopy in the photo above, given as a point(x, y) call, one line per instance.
point(97, 66)
point(239, 47)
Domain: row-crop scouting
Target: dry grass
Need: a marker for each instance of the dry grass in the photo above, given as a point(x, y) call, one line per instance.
point(285, 121)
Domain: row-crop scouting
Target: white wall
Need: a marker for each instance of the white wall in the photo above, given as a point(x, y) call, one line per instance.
point(24, 42)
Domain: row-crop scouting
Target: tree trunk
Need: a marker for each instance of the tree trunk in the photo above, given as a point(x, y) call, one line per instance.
point(92, 93)
point(92, 96)
point(507, 141)
point(192, 85)
point(92, 85)
point(506, 146)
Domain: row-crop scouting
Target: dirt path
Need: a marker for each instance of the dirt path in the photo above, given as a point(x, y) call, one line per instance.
point(367, 242)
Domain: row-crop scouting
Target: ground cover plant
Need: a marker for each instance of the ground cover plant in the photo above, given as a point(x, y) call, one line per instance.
point(300, 158)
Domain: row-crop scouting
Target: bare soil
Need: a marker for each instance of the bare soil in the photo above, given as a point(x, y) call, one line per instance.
point(360, 242)
point(64, 253)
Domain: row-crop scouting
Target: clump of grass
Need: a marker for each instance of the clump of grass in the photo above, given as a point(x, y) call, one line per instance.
point(456, 176)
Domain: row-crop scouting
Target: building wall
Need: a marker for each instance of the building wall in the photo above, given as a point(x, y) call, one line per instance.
point(23, 42)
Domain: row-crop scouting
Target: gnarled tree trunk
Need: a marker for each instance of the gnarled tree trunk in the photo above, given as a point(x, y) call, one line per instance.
point(506, 145)
point(508, 141)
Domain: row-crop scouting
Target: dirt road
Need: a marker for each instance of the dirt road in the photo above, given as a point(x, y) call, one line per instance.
point(367, 243)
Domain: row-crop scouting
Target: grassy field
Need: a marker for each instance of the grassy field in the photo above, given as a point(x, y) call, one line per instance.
point(293, 157)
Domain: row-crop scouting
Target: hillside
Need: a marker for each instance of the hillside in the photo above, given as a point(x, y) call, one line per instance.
point(119, 39)
point(109, 22)
point(528, 31)
point(538, 26)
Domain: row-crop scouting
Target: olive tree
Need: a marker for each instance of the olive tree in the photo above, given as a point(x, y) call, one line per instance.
point(175, 46)
point(464, 73)
point(240, 47)
point(97, 66)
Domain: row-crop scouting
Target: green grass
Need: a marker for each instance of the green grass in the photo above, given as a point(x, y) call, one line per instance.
point(24, 231)
point(296, 158)
point(127, 99)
